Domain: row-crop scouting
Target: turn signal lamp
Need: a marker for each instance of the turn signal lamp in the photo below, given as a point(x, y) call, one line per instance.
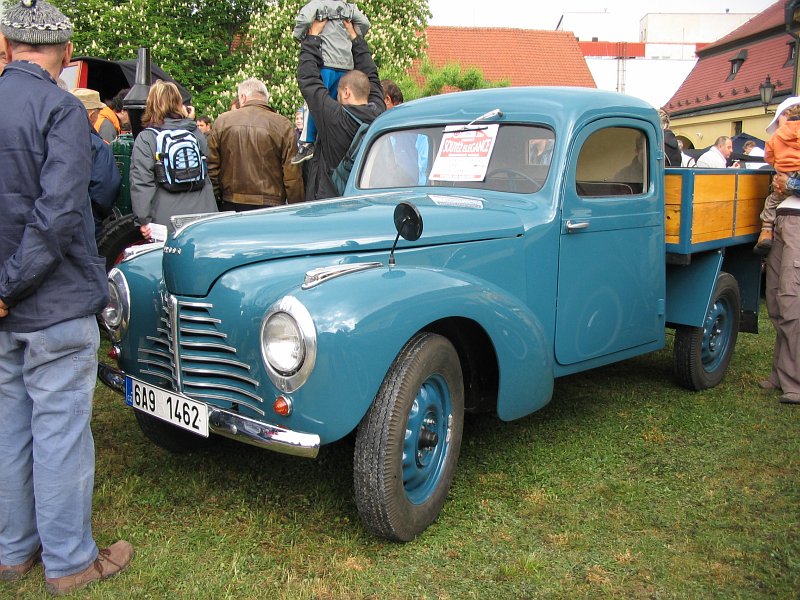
point(282, 406)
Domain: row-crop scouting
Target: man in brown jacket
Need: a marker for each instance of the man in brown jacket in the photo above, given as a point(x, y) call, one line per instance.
point(250, 152)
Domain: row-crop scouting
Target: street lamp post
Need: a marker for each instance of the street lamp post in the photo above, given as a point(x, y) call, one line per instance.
point(766, 90)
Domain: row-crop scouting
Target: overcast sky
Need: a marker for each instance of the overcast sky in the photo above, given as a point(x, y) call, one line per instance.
point(538, 15)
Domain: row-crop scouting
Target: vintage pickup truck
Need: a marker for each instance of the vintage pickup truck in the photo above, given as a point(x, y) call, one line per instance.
point(541, 237)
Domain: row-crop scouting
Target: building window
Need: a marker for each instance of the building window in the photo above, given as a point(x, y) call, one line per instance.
point(792, 53)
point(736, 63)
point(736, 128)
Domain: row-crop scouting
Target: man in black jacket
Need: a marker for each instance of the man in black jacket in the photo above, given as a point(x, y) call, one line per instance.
point(359, 90)
point(672, 152)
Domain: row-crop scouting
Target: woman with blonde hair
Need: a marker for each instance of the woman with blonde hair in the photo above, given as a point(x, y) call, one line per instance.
point(151, 202)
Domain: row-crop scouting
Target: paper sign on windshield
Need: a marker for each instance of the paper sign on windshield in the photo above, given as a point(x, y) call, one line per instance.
point(464, 153)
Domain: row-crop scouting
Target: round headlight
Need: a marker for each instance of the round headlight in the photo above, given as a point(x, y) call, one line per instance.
point(115, 316)
point(288, 344)
point(283, 342)
point(112, 313)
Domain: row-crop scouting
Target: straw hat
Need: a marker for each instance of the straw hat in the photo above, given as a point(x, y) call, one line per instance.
point(90, 98)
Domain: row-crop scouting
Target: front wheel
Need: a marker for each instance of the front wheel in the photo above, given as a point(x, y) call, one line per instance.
point(408, 443)
point(701, 354)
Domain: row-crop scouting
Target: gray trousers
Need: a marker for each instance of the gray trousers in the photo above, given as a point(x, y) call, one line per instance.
point(783, 304)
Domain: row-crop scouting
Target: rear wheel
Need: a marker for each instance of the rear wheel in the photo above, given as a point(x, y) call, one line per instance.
point(117, 235)
point(408, 443)
point(701, 354)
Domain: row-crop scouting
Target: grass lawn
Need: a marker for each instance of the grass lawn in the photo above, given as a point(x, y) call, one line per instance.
point(624, 486)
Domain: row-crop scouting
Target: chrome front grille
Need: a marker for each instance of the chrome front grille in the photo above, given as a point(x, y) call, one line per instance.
point(191, 352)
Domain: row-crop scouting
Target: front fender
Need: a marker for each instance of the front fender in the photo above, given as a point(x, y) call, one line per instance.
point(364, 319)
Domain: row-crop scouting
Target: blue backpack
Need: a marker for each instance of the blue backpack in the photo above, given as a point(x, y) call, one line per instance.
point(180, 165)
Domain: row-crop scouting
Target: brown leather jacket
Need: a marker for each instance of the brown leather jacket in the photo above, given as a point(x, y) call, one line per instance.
point(249, 157)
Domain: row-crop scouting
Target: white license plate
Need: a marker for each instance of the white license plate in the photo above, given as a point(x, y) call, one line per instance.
point(172, 407)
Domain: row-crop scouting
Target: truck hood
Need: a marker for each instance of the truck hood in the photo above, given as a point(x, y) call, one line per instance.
point(202, 251)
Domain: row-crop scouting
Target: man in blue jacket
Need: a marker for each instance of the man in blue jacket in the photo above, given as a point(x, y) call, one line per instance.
point(104, 183)
point(52, 283)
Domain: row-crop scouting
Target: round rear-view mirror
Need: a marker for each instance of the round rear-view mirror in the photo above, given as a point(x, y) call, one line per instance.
point(408, 221)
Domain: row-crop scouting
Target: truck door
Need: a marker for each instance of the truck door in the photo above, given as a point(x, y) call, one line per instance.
point(611, 255)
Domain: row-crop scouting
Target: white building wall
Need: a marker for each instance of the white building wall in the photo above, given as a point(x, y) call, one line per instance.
point(652, 80)
point(689, 27)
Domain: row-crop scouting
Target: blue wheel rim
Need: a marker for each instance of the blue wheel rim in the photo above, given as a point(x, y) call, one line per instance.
point(424, 456)
point(716, 335)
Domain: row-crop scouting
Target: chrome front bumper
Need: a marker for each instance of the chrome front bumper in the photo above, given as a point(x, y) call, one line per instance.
point(235, 426)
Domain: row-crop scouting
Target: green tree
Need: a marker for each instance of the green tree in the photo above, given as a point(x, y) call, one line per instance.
point(429, 80)
point(191, 40)
point(396, 38)
point(210, 46)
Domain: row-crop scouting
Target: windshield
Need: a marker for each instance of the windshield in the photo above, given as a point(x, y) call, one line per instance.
point(506, 158)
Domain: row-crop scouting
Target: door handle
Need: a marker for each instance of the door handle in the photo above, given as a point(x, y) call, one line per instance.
point(572, 226)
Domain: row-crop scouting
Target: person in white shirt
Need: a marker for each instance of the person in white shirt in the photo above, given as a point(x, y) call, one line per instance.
point(717, 156)
point(686, 160)
point(751, 149)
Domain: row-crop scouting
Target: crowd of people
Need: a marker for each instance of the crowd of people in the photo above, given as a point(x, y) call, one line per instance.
point(52, 280)
point(53, 283)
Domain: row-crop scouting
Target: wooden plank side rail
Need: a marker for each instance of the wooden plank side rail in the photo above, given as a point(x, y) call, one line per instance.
point(703, 207)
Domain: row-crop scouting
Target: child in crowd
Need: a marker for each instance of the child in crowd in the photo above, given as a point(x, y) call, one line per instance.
point(299, 122)
point(782, 151)
point(337, 55)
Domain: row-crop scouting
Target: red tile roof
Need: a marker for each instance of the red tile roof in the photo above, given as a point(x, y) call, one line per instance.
point(707, 84)
point(521, 56)
point(765, 42)
point(770, 17)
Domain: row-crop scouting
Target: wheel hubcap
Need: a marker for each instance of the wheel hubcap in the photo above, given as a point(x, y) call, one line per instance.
point(715, 335)
point(426, 440)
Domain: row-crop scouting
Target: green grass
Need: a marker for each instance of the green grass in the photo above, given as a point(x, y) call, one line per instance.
point(624, 486)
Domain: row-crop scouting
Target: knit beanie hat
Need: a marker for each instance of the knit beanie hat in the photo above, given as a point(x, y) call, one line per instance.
point(35, 22)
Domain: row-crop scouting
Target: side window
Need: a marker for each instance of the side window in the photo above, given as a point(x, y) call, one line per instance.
point(613, 162)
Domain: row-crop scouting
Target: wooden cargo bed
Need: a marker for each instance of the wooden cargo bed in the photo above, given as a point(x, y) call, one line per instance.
point(707, 208)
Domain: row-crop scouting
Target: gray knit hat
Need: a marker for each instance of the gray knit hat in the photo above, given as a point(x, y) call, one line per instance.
point(35, 22)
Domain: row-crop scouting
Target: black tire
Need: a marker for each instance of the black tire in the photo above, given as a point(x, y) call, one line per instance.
point(168, 436)
point(402, 471)
point(117, 235)
point(701, 354)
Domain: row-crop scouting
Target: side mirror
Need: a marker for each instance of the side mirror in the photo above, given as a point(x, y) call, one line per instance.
point(408, 223)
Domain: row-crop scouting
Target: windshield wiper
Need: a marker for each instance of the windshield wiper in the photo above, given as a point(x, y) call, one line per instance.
point(469, 126)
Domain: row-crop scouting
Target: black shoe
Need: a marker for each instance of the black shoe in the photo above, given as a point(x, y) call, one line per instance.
point(304, 152)
point(763, 247)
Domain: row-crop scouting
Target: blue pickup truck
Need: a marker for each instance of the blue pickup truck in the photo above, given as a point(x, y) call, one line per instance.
point(488, 243)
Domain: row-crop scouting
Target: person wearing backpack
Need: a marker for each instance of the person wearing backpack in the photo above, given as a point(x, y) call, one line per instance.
point(360, 101)
point(168, 174)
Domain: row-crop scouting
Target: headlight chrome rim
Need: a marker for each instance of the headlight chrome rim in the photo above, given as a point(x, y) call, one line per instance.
point(117, 327)
point(289, 380)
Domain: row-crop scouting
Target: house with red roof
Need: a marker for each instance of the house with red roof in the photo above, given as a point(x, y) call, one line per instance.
point(721, 95)
point(519, 56)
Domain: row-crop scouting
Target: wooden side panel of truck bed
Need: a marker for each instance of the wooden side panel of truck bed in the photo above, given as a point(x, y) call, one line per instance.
point(707, 209)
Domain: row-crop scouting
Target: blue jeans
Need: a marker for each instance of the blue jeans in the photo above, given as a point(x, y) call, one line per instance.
point(330, 79)
point(47, 381)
